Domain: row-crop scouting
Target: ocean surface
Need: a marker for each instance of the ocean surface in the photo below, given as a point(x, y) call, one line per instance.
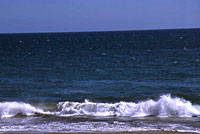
point(100, 81)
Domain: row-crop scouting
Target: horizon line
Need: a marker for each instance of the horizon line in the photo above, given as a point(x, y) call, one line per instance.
point(99, 31)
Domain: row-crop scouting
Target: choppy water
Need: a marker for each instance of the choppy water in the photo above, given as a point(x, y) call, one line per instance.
point(103, 81)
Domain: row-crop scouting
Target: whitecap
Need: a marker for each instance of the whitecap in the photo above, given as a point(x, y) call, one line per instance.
point(166, 106)
point(11, 109)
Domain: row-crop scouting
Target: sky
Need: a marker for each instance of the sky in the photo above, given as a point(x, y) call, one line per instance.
point(27, 16)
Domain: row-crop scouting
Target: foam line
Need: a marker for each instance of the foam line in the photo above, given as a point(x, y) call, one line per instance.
point(166, 106)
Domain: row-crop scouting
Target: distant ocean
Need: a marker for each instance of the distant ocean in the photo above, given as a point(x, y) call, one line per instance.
point(100, 81)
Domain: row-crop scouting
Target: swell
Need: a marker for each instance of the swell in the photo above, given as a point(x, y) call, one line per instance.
point(166, 106)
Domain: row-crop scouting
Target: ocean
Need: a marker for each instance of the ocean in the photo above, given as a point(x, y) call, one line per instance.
point(123, 81)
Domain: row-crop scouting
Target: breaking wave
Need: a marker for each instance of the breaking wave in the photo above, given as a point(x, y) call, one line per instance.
point(11, 109)
point(166, 106)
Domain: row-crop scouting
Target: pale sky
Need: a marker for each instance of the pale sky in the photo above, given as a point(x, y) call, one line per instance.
point(19, 16)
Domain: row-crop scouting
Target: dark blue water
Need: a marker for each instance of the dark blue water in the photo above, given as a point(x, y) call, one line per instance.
point(102, 67)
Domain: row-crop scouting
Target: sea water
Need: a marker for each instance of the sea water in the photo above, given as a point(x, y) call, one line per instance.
point(100, 81)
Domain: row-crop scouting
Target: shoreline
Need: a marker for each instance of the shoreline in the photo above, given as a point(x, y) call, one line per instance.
point(134, 132)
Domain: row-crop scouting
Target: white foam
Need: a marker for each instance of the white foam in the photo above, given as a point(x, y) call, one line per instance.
point(10, 109)
point(166, 106)
point(91, 127)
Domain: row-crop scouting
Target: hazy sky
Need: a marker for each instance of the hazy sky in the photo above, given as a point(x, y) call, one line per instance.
point(18, 16)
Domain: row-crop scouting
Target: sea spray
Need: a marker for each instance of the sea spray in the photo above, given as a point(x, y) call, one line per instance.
point(166, 106)
point(11, 109)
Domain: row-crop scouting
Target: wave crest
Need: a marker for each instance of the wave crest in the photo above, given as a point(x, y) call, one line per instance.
point(11, 109)
point(166, 106)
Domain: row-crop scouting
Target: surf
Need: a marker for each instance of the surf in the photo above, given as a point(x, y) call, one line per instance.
point(165, 106)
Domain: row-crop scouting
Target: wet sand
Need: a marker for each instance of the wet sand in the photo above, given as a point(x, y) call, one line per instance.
point(137, 132)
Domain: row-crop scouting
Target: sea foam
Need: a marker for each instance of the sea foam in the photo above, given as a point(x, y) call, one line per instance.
point(166, 106)
point(11, 109)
